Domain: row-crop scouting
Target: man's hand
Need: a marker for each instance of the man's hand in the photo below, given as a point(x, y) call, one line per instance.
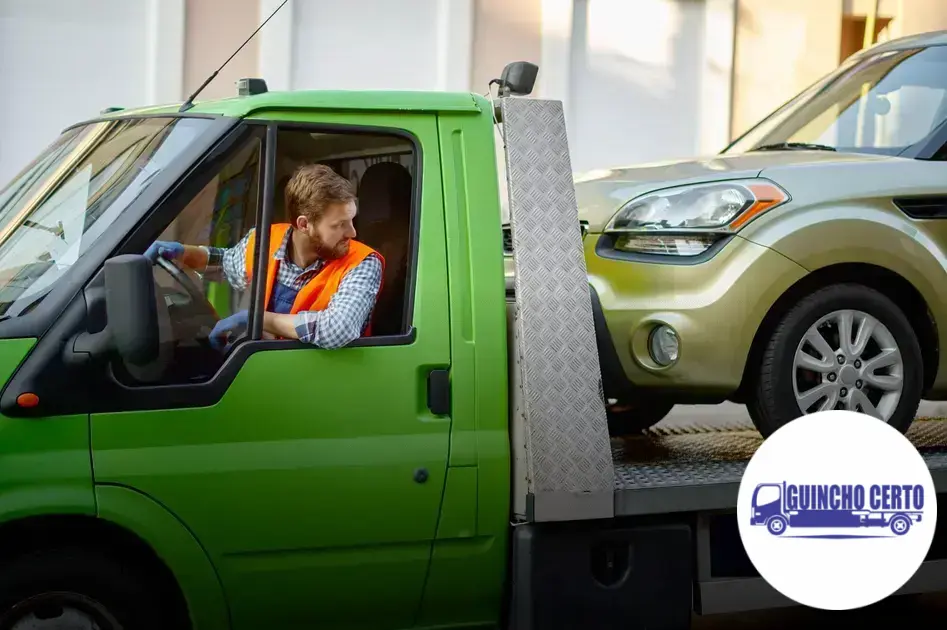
point(166, 249)
point(189, 255)
point(229, 325)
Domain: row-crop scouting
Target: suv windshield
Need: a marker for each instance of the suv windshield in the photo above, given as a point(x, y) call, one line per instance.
point(57, 207)
point(881, 103)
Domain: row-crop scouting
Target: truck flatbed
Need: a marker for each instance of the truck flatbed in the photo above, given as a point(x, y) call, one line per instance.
point(693, 465)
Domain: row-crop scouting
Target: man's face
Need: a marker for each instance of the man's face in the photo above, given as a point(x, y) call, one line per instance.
point(329, 237)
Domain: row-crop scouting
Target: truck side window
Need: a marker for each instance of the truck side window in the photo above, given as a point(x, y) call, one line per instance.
point(382, 168)
point(212, 226)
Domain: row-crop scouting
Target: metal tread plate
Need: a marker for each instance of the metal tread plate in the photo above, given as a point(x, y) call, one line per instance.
point(564, 443)
point(698, 465)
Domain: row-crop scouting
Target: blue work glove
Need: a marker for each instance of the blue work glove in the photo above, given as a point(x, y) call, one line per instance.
point(222, 330)
point(166, 249)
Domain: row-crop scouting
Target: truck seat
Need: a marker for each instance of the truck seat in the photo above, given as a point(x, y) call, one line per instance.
point(384, 223)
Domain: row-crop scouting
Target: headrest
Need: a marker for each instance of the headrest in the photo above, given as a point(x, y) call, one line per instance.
point(384, 194)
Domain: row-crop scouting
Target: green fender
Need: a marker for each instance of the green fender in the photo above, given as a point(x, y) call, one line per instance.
point(176, 546)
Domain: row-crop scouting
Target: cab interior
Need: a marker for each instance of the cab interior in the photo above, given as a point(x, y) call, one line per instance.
point(382, 168)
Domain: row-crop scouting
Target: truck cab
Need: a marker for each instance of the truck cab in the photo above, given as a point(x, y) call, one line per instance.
point(190, 486)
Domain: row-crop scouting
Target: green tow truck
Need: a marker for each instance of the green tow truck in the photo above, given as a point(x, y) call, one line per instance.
point(453, 470)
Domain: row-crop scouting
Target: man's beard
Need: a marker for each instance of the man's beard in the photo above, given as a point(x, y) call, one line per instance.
point(325, 252)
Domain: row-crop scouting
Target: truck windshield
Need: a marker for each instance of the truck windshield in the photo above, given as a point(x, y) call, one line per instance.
point(767, 494)
point(56, 208)
point(882, 103)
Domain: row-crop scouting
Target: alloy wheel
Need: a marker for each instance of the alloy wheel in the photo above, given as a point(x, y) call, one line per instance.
point(848, 360)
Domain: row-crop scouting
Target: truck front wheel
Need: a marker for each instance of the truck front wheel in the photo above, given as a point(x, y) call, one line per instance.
point(75, 588)
point(777, 525)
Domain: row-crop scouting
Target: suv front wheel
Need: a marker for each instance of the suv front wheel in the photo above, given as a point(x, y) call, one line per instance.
point(845, 346)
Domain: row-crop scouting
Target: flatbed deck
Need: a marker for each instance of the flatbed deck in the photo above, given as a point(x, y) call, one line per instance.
point(688, 466)
point(694, 466)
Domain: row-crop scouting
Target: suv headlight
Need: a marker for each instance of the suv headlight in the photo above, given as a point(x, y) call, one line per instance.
point(688, 220)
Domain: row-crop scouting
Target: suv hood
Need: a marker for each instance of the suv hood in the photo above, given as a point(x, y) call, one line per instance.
point(601, 193)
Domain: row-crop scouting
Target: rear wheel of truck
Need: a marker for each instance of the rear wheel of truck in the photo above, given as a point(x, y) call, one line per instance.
point(77, 589)
point(845, 346)
point(636, 416)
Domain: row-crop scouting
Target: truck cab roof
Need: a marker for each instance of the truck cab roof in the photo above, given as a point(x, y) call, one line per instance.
point(352, 100)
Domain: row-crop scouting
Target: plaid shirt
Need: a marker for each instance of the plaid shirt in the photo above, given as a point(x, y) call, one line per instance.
point(346, 316)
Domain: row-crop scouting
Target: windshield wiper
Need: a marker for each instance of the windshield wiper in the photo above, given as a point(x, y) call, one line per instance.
point(789, 146)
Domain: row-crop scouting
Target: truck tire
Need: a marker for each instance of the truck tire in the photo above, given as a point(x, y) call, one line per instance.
point(900, 524)
point(786, 377)
point(777, 525)
point(635, 417)
point(76, 588)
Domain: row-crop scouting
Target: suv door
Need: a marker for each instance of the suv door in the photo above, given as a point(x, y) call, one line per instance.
point(312, 477)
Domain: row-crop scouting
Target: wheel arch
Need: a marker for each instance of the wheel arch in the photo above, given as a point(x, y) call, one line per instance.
point(132, 527)
point(49, 531)
point(175, 545)
point(891, 284)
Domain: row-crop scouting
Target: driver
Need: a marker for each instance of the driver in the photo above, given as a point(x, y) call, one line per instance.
point(321, 283)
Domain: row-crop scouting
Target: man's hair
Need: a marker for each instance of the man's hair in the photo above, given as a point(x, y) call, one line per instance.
point(312, 188)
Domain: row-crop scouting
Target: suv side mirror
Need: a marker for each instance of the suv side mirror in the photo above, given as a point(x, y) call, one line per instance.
point(132, 329)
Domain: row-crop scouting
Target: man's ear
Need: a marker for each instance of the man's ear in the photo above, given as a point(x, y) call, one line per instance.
point(302, 223)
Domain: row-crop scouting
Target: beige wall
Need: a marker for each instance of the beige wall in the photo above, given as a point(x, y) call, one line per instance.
point(504, 31)
point(215, 29)
point(781, 48)
point(920, 16)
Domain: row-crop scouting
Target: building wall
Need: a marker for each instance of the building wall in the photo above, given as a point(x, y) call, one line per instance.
point(54, 71)
point(214, 30)
point(504, 31)
point(639, 81)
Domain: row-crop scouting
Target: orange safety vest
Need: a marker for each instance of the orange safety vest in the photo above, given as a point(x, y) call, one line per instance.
point(315, 294)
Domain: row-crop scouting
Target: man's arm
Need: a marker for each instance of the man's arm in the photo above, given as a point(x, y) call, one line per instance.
point(343, 320)
point(229, 263)
point(194, 256)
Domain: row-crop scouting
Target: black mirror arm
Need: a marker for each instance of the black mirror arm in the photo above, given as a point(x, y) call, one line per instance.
point(85, 347)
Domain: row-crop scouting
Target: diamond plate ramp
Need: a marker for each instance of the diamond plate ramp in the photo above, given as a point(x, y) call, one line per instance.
point(568, 459)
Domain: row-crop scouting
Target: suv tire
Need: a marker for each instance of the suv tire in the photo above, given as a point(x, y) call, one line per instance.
point(773, 401)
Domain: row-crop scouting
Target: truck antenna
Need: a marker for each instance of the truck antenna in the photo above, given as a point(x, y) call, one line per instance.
point(189, 103)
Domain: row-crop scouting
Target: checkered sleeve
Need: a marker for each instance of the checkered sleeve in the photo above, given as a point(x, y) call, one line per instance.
point(347, 314)
point(229, 263)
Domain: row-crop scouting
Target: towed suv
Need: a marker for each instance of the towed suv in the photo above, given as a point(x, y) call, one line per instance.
point(802, 269)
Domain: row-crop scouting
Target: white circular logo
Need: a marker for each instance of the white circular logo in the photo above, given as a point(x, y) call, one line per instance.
point(837, 510)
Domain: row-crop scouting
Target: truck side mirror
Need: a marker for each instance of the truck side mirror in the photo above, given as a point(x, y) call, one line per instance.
point(132, 329)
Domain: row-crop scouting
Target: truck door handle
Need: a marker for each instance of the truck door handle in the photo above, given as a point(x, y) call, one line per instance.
point(438, 392)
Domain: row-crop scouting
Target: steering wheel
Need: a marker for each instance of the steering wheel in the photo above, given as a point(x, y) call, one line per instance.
point(193, 292)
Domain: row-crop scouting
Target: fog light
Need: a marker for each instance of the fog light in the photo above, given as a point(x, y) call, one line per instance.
point(663, 345)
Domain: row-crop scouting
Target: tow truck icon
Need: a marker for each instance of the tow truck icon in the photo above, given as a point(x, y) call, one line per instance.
point(779, 506)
